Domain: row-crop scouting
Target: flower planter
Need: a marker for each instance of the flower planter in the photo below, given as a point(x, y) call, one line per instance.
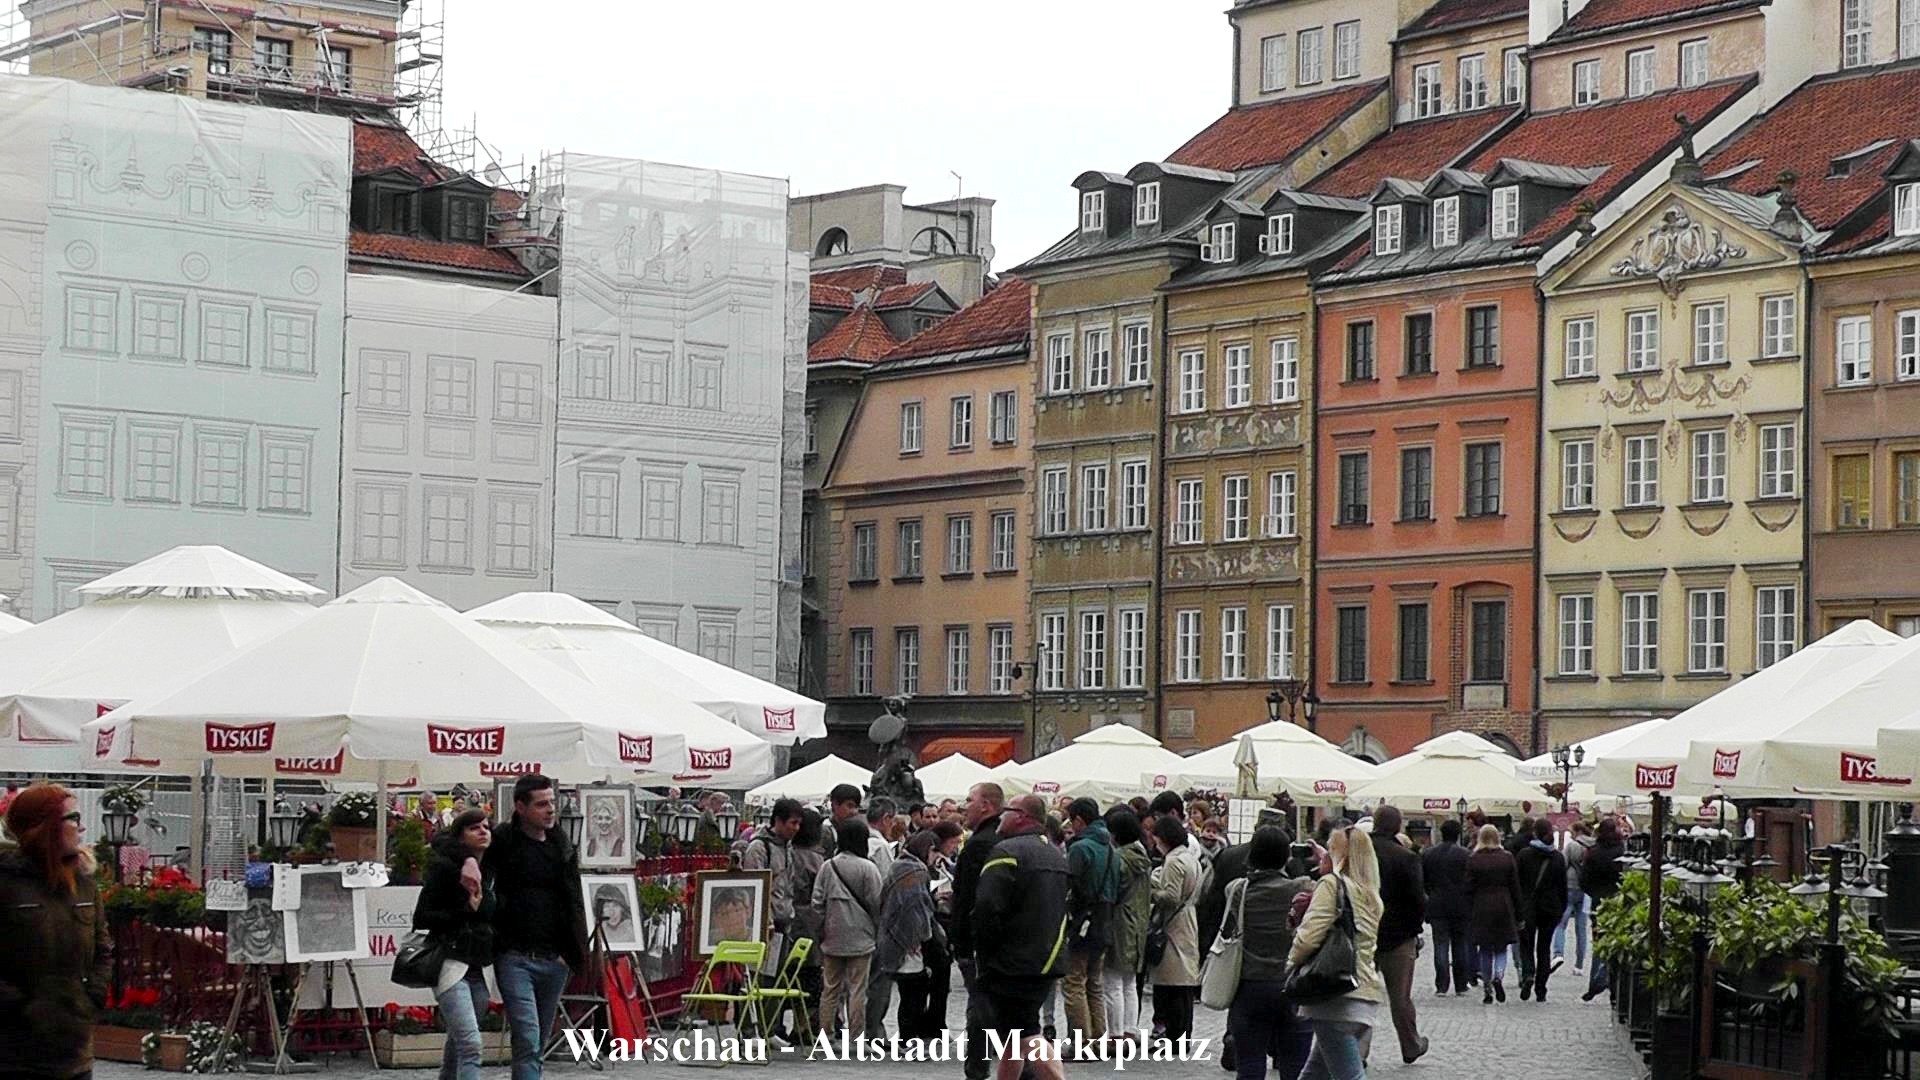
point(113, 1042)
point(1671, 1054)
point(354, 843)
point(424, 1050)
point(173, 1052)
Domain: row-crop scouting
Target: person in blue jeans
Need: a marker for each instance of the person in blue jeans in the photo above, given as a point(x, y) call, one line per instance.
point(1265, 1025)
point(455, 911)
point(1600, 879)
point(540, 925)
point(1576, 915)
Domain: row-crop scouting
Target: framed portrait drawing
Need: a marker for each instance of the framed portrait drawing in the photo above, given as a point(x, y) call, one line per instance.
point(503, 801)
point(606, 836)
point(613, 907)
point(731, 905)
point(331, 921)
point(257, 934)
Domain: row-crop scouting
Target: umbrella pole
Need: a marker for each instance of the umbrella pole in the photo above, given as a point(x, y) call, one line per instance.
point(1654, 852)
point(380, 812)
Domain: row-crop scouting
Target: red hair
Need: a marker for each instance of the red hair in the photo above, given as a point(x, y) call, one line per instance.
point(35, 818)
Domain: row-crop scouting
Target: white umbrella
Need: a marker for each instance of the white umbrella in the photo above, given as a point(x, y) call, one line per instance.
point(1652, 763)
point(952, 777)
point(1434, 780)
point(11, 624)
point(1107, 763)
point(1453, 742)
point(811, 783)
point(1541, 767)
point(149, 629)
point(777, 715)
point(1313, 771)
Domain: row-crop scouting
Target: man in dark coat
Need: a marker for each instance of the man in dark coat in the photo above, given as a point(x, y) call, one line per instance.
point(1443, 866)
point(1403, 895)
point(985, 803)
point(1543, 899)
point(540, 924)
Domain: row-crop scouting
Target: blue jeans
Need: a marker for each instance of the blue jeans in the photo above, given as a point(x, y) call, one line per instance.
point(1264, 1025)
point(530, 987)
point(461, 1008)
point(1576, 916)
point(1452, 954)
point(1493, 963)
point(1336, 1052)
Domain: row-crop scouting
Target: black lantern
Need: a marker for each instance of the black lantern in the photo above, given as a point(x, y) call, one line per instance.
point(642, 825)
point(117, 826)
point(1298, 700)
point(1460, 808)
point(1567, 759)
point(729, 819)
point(686, 823)
point(572, 822)
point(283, 826)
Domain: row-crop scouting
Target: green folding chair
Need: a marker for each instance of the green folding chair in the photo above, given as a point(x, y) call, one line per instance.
point(744, 1001)
point(786, 991)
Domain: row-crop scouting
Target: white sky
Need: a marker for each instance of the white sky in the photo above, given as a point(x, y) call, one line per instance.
point(1017, 96)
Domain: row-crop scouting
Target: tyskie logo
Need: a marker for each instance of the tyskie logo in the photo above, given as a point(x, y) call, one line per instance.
point(465, 742)
point(103, 741)
point(1329, 787)
point(1655, 777)
point(710, 760)
point(239, 738)
point(509, 768)
point(778, 719)
point(311, 766)
point(1862, 769)
point(1046, 787)
point(1726, 763)
point(637, 749)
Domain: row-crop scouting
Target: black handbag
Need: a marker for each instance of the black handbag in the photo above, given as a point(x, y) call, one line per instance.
point(416, 964)
point(1333, 968)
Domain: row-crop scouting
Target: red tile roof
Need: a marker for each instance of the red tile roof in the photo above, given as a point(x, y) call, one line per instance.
point(1002, 317)
point(899, 296)
point(861, 277)
point(1601, 15)
point(1817, 123)
point(1411, 151)
point(830, 296)
point(1448, 14)
point(1625, 138)
point(379, 147)
point(414, 249)
point(837, 297)
point(1267, 133)
point(861, 337)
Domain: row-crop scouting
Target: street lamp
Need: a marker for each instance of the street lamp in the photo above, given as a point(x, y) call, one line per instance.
point(1566, 759)
point(729, 819)
point(686, 824)
point(1460, 809)
point(1297, 696)
point(283, 826)
point(572, 821)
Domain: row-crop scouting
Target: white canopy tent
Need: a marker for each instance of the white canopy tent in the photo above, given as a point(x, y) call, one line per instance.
point(951, 777)
point(811, 783)
point(1108, 763)
point(1433, 781)
point(773, 714)
point(1541, 767)
point(1452, 742)
point(1311, 770)
point(11, 624)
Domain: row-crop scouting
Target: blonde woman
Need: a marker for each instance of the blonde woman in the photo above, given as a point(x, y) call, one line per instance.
point(1493, 880)
point(1341, 1024)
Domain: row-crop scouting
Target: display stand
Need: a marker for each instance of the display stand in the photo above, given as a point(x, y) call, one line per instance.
point(282, 1063)
point(583, 1012)
point(256, 984)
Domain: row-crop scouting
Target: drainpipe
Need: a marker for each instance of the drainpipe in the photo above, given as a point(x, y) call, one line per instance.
point(1156, 484)
point(1806, 446)
point(1539, 487)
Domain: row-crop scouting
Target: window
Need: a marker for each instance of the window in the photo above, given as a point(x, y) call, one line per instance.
point(1643, 340)
point(703, 384)
point(1001, 557)
point(1779, 326)
point(1446, 222)
point(908, 537)
point(1779, 461)
point(861, 646)
point(1308, 70)
point(90, 315)
point(1580, 347)
point(1706, 630)
point(512, 533)
point(1359, 351)
point(720, 512)
point(650, 378)
point(1353, 488)
point(1908, 17)
point(1710, 333)
point(1186, 646)
point(866, 551)
point(1693, 63)
point(1093, 498)
point(1139, 348)
point(1279, 238)
point(1906, 212)
point(1639, 633)
point(1505, 219)
point(1093, 650)
point(1279, 641)
point(1003, 411)
point(1239, 375)
point(959, 656)
point(156, 453)
point(1133, 495)
point(1642, 454)
point(1283, 512)
point(1346, 50)
point(1576, 634)
point(337, 65)
point(960, 544)
point(1193, 381)
point(1709, 466)
point(273, 58)
point(1576, 474)
point(910, 424)
point(1416, 483)
point(1586, 82)
point(1906, 357)
point(466, 220)
point(1233, 643)
point(1099, 355)
point(223, 334)
point(449, 525)
point(1639, 73)
point(1053, 501)
point(1273, 63)
point(1386, 230)
point(156, 328)
point(999, 659)
point(1483, 479)
point(960, 423)
point(1856, 34)
point(1413, 643)
point(1093, 211)
point(906, 660)
point(1852, 491)
point(1236, 502)
point(1777, 624)
point(598, 509)
point(1146, 203)
point(660, 508)
point(449, 387)
point(596, 374)
point(1853, 349)
point(1060, 364)
point(1483, 337)
point(1350, 658)
point(284, 476)
point(1473, 81)
point(218, 47)
point(1285, 355)
point(1133, 648)
point(1189, 511)
point(219, 469)
point(1219, 248)
point(1488, 626)
point(381, 525)
point(1513, 76)
point(1426, 91)
point(806, 545)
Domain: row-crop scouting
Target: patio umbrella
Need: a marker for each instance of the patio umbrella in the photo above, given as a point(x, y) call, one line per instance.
point(776, 715)
point(1289, 758)
point(952, 777)
point(1107, 763)
point(1541, 766)
point(1462, 742)
point(1434, 781)
point(811, 783)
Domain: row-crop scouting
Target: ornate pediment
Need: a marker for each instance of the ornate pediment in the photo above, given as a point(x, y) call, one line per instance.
point(1234, 431)
point(1674, 246)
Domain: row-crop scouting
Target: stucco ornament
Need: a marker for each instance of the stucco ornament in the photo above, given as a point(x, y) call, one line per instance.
point(1677, 245)
point(1701, 390)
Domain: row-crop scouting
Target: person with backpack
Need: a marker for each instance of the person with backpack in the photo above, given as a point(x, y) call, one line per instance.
point(1543, 899)
point(847, 895)
point(1019, 919)
point(771, 849)
point(1127, 943)
point(1176, 890)
point(1093, 871)
point(1579, 842)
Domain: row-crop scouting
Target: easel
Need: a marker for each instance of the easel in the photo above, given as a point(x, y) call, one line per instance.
point(577, 1012)
point(281, 1063)
point(256, 982)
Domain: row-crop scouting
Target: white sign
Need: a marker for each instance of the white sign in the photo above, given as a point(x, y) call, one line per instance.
point(226, 894)
point(389, 919)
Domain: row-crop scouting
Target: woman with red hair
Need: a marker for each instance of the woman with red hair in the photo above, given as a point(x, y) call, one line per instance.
point(55, 959)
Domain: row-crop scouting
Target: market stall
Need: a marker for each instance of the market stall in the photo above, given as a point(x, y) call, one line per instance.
point(1291, 759)
point(811, 783)
point(1109, 763)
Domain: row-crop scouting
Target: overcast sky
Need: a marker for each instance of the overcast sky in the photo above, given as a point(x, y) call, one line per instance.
point(1017, 96)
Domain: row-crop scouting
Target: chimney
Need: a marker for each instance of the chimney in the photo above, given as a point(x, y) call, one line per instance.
point(1546, 16)
point(1687, 170)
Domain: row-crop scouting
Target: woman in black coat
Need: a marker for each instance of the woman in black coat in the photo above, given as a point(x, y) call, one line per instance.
point(1494, 882)
point(1600, 879)
point(455, 911)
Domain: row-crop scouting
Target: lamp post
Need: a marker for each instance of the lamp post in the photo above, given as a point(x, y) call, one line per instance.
point(1297, 697)
point(1566, 759)
point(283, 827)
point(572, 822)
point(1460, 809)
point(117, 828)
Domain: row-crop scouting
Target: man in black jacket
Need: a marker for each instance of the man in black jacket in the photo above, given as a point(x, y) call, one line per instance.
point(983, 811)
point(1443, 866)
point(1403, 896)
point(1543, 899)
point(1019, 929)
point(540, 925)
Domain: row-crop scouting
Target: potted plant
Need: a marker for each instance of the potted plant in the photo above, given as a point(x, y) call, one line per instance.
point(119, 1028)
point(411, 1037)
point(350, 824)
point(1622, 938)
point(407, 851)
point(174, 900)
point(165, 1050)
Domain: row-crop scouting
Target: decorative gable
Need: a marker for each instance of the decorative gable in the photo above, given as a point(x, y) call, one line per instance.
point(1675, 236)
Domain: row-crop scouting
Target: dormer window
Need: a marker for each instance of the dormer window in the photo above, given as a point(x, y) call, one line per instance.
point(1506, 212)
point(466, 220)
point(1218, 249)
point(1446, 222)
point(1093, 211)
point(1906, 210)
point(393, 210)
point(1279, 238)
point(1386, 230)
point(1146, 204)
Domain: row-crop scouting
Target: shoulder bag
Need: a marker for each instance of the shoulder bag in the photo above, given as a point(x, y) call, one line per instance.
point(1220, 974)
point(1333, 968)
point(416, 963)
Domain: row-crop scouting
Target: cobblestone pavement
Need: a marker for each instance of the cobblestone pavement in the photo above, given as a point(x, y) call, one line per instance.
point(1564, 1039)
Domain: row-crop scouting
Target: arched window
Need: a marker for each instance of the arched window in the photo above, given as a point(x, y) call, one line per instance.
point(932, 240)
point(1503, 742)
point(832, 242)
point(1365, 747)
